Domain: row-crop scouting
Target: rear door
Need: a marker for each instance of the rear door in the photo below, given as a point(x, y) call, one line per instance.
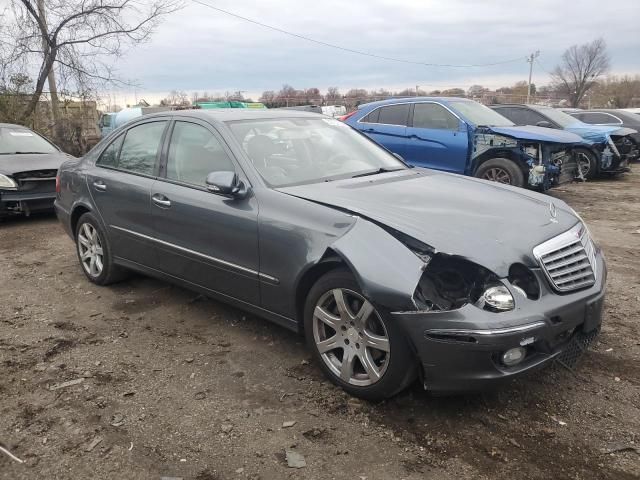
point(120, 185)
point(387, 125)
point(203, 238)
point(436, 139)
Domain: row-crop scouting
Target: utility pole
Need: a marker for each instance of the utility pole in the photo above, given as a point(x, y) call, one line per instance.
point(417, 87)
point(530, 59)
point(51, 78)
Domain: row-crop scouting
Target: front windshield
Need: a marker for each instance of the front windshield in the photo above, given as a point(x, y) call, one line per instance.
point(561, 118)
point(14, 140)
point(479, 114)
point(295, 151)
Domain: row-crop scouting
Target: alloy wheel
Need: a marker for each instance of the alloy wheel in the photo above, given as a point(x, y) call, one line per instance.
point(497, 174)
point(90, 250)
point(351, 337)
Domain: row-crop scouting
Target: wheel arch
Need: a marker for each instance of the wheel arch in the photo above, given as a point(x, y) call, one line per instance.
point(507, 154)
point(77, 211)
point(328, 262)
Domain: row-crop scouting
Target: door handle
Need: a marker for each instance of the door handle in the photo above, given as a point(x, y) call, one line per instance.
point(369, 130)
point(100, 186)
point(161, 201)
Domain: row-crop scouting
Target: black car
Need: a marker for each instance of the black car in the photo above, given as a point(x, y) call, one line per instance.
point(613, 118)
point(28, 167)
point(391, 272)
point(607, 149)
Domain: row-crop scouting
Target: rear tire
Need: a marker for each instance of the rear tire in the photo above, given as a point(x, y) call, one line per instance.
point(501, 170)
point(358, 346)
point(94, 252)
point(587, 163)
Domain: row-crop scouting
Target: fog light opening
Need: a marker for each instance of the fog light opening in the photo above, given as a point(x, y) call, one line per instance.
point(513, 356)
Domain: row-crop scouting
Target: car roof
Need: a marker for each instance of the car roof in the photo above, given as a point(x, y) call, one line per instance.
point(392, 101)
point(233, 114)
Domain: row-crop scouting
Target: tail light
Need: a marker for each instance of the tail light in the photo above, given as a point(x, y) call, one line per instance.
point(344, 118)
point(57, 183)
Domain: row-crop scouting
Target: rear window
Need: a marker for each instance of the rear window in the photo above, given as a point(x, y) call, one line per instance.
point(22, 140)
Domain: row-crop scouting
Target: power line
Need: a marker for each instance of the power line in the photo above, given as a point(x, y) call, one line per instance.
point(350, 50)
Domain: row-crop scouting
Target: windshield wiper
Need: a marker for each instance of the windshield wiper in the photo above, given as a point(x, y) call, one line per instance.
point(376, 172)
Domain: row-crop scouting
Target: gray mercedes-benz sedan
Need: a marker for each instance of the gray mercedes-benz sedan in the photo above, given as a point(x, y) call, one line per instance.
point(391, 272)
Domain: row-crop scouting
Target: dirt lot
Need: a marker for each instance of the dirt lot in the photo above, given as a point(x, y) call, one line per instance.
point(174, 385)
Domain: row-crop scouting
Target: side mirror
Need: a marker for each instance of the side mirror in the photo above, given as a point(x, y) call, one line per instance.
point(544, 123)
point(227, 184)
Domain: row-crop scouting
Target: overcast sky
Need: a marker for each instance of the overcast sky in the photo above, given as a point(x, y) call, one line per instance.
point(200, 49)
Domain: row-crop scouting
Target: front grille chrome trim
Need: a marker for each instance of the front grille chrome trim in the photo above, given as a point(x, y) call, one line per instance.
point(568, 260)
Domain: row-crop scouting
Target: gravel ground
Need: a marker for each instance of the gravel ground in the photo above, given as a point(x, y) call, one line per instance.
point(165, 383)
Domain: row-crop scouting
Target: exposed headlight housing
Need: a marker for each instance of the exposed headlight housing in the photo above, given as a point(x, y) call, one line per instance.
point(7, 183)
point(450, 282)
point(496, 298)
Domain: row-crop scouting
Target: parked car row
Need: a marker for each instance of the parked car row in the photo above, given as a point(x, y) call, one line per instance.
point(605, 149)
point(520, 145)
point(462, 136)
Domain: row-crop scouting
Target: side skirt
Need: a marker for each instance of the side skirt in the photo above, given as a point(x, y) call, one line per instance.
point(281, 320)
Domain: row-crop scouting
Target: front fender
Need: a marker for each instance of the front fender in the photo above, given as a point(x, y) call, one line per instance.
point(386, 270)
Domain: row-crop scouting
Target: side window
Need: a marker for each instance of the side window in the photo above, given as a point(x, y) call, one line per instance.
point(432, 115)
point(532, 118)
point(109, 156)
point(372, 117)
point(194, 152)
point(395, 114)
point(595, 117)
point(140, 148)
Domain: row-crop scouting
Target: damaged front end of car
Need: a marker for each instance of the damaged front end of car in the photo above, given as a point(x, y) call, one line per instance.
point(476, 329)
point(544, 164)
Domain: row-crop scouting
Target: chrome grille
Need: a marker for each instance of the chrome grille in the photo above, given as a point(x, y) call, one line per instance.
point(568, 260)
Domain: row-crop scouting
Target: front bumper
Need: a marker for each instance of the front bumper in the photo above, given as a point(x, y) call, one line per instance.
point(24, 203)
point(460, 349)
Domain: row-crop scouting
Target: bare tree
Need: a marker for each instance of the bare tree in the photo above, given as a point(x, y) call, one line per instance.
point(580, 67)
point(176, 98)
point(77, 39)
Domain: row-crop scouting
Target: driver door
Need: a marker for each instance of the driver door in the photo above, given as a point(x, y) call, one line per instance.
point(203, 238)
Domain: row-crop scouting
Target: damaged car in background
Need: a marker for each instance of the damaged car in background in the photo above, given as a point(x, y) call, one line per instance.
point(392, 273)
point(606, 149)
point(28, 167)
point(462, 136)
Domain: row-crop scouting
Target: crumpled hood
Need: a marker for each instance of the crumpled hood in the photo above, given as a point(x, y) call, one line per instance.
point(597, 133)
point(10, 164)
point(490, 224)
point(538, 134)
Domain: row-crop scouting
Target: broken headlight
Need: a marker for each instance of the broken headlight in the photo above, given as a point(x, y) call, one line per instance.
point(496, 298)
point(7, 183)
point(450, 282)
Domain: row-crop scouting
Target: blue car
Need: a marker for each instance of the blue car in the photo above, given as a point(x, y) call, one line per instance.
point(607, 149)
point(461, 136)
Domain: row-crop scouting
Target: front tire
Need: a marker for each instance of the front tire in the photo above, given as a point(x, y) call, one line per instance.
point(360, 348)
point(501, 170)
point(94, 252)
